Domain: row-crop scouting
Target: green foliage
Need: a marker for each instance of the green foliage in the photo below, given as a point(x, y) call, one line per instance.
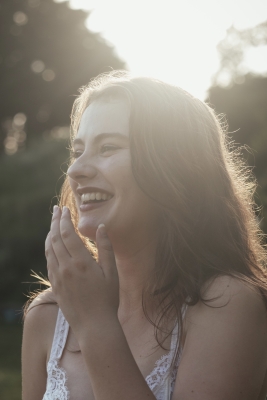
point(29, 181)
point(245, 106)
point(67, 57)
point(242, 97)
point(46, 54)
point(232, 50)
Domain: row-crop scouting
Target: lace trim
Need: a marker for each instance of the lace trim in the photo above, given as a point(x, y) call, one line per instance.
point(161, 372)
point(56, 388)
point(60, 336)
point(160, 380)
point(161, 376)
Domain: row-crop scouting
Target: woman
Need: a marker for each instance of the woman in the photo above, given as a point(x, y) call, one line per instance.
point(175, 272)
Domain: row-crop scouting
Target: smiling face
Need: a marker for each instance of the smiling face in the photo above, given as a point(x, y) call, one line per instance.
point(101, 176)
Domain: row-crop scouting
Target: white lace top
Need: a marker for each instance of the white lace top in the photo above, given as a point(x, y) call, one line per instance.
point(161, 380)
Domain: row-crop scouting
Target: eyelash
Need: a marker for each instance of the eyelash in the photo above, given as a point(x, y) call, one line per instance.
point(106, 147)
point(75, 154)
point(109, 146)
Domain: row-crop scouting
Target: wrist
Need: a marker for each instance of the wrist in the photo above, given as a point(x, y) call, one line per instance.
point(99, 328)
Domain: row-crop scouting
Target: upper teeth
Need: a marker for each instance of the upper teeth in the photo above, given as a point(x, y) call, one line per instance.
point(95, 196)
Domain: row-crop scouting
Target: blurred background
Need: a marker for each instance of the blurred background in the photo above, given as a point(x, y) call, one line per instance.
point(48, 49)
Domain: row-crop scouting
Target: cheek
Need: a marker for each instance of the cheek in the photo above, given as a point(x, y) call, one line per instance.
point(73, 184)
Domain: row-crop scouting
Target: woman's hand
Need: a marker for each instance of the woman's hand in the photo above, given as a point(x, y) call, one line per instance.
point(88, 294)
point(87, 291)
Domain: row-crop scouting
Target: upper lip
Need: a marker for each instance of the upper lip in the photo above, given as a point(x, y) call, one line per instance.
point(91, 189)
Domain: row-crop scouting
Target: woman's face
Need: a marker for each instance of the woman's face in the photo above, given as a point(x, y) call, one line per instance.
point(101, 176)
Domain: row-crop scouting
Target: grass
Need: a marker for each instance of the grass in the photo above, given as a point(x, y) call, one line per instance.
point(10, 361)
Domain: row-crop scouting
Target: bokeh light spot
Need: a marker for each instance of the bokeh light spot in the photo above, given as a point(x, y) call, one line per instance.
point(20, 18)
point(48, 75)
point(19, 120)
point(15, 133)
point(57, 133)
point(11, 145)
point(37, 66)
point(60, 132)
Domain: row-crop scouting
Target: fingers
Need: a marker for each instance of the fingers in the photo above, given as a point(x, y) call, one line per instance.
point(49, 251)
point(58, 245)
point(106, 258)
point(69, 237)
point(50, 257)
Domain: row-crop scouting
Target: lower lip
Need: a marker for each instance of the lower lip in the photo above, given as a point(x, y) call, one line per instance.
point(92, 206)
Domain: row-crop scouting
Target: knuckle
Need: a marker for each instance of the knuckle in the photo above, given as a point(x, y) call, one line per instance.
point(54, 238)
point(65, 233)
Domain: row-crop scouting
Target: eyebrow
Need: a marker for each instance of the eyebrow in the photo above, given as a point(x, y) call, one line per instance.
point(102, 136)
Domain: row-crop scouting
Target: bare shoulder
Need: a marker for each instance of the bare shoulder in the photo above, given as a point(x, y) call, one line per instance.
point(225, 285)
point(44, 297)
point(230, 295)
point(38, 333)
point(225, 348)
point(40, 319)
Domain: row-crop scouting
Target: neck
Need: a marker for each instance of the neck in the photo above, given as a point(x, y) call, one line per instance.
point(135, 264)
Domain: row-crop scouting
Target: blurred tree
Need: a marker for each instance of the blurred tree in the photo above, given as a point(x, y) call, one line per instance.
point(232, 50)
point(46, 54)
point(242, 97)
point(29, 182)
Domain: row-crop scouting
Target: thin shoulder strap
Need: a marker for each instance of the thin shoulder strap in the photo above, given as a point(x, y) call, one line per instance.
point(174, 339)
point(168, 381)
point(176, 331)
point(60, 336)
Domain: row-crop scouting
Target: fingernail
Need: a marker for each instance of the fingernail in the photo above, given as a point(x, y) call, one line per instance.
point(55, 210)
point(65, 209)
point(103, 230)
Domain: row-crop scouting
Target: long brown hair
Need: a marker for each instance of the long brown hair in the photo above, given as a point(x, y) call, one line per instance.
point(183, 160)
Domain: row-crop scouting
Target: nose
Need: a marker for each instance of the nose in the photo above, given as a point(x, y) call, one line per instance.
point(81, 170)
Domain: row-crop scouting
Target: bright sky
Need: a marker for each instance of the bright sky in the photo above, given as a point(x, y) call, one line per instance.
point(174, 40)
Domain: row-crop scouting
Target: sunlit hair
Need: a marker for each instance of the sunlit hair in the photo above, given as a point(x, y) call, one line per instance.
point(181, 158)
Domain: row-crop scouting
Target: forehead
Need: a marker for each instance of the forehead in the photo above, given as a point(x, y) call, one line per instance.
point(104, 117)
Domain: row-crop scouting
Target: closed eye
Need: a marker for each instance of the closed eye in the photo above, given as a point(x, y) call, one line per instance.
point(75, 153)
point(108, 147)
point(103, 149)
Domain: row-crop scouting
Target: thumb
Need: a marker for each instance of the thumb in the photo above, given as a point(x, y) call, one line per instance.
point(106, 257)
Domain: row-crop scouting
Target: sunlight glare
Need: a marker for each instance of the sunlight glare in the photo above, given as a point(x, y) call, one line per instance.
point(172, 40)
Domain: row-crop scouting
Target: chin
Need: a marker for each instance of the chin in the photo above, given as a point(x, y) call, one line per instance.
point(88, 231)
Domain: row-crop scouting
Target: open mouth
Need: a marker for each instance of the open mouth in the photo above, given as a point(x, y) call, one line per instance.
point(95, 197)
